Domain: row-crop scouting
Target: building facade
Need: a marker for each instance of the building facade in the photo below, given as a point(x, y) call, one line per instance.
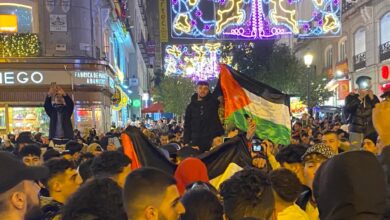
point(86, 47)
point(362, 49)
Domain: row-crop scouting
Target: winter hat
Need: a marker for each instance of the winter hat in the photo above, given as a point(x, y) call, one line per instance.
point(321, 149)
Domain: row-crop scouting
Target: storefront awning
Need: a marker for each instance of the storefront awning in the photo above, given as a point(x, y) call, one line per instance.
point(155, 107)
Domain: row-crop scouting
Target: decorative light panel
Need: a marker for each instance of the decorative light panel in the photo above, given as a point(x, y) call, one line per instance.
point(196, 61)
point(254, 19)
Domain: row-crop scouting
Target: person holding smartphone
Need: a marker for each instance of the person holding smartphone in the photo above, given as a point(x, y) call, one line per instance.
point(59, 107)
point(358, 108)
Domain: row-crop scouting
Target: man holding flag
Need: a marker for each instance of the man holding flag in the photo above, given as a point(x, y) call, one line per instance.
point(201, 123)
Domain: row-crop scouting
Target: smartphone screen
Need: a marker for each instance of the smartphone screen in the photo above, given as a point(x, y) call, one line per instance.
point(256, 148)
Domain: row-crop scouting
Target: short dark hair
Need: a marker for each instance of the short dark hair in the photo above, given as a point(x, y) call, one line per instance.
point(100, 198)
point(85, 169)
point(30, 149)
point(57, 166)
point(50, 153)
point(291, 154)
point(202, 83)
point(286, 184)
point(109, 163)
point(330, 132)
point(144, 185)
point(73, 147)
point(304, 135)
point(201, 204)
point(248, 193)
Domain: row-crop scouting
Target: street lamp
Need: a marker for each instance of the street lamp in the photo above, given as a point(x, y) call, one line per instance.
point(190, 70)
point(308, 60)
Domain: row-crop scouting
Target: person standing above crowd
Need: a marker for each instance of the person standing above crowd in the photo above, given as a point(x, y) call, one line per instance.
point(59, 107)
point(202, 122)
point(358, 108)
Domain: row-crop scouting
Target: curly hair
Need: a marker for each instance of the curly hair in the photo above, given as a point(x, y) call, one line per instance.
point(291, 154)
point(101, 198)
point(248, 193)
point(109, 163)
point(201, 204)
point(286, 184)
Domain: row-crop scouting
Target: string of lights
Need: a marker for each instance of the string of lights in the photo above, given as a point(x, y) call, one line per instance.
point(19, 45)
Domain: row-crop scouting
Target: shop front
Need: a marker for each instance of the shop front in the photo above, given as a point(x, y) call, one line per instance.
point(23, 88)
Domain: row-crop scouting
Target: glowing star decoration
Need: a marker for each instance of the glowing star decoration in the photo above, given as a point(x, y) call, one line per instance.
point(254, 19)
point(198, 62)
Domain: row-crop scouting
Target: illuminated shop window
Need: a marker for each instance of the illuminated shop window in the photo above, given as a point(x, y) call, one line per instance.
point(11, 13)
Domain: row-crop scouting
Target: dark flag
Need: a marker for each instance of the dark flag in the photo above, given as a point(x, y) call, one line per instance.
point(233, 151)
point(143, 153)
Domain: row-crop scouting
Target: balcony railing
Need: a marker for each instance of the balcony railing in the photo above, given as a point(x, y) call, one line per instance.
point(19, 45)
point(359, 61)
point(384, 51)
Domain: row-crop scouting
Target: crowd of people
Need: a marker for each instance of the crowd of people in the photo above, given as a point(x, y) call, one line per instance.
point(326, 173)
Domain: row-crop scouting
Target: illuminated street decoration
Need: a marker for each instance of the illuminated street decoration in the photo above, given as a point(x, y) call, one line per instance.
point(254, 19)
point(199, 62)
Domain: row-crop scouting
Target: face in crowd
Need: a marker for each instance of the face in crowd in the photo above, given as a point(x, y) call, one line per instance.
point(370, 146)
point(64, 180)
point(202, 90)
point(311, 164)
point(332, 141)
point(59, 100)
point(164, 139)
point(150, 194)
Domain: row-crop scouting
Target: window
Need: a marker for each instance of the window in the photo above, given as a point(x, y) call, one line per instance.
point(342, 50)
point(329, 57)
point(360, 41)
point(16, 18)
point(385, 27)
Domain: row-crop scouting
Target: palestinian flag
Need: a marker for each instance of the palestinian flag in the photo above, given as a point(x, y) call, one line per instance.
point(266, 105)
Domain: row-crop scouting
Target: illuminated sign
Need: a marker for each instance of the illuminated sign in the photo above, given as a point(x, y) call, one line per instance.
point(199, 62)
point(254, 19)
point(10, 78)
point(8, 23)
point(94, 78)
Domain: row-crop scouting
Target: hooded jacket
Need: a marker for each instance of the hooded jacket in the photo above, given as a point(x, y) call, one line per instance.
point(189, 171)
point(350, 186)
point(360, 113)
point(65, 113)
point(202, 122)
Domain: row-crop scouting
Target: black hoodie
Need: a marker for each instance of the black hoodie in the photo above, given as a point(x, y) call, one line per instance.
point(202, 122)
point(351, 186)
